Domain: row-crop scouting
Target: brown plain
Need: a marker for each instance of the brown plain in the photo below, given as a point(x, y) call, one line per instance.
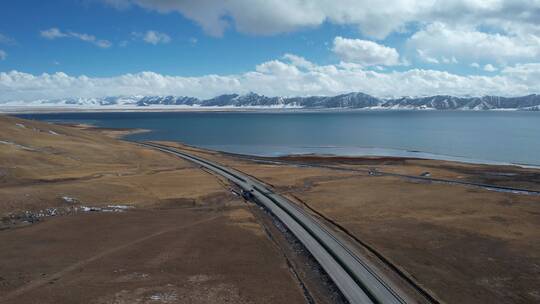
point(189, 240)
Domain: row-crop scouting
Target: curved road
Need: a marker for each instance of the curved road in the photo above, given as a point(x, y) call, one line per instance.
point(355, 277)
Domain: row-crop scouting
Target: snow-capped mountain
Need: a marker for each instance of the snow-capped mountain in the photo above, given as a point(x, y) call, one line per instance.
point(355, 100)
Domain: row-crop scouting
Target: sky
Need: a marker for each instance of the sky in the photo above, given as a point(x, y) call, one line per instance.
point(94, 48)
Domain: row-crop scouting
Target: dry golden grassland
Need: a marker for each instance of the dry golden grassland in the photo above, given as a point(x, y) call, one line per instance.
point(188, 239)
point(464, 244)
point(185, 238)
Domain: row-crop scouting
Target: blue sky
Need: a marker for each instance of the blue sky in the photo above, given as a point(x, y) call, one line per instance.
point(233, 53)
point(87, 47)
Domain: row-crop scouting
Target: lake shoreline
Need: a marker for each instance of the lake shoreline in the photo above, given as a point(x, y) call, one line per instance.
point(478, 137)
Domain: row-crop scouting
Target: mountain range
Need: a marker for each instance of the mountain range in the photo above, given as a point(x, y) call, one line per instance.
point(355, 100)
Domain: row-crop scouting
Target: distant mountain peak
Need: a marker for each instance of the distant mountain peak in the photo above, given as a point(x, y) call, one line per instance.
point(352, 100)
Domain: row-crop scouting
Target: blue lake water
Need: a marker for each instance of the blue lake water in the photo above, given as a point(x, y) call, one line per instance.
point(494, 136)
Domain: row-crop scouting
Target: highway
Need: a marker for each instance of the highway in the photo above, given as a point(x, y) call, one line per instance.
point(357, 279)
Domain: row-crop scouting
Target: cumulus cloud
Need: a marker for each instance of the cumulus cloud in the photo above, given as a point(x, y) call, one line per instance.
point(489, 68)
point(452, 60)
point(253, 17)
point(55, 33)
point(504, 32)
point(373, 18)
point(465, 31)
point(438, 40)
point(298, 61)
point(52, 33)
point(425, 57)
point(3, 55)
point(527, 74)
point(365, 52)
point(153, 37)
point(289, 76)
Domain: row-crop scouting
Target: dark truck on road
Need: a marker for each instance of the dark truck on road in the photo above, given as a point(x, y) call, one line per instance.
point(247, 195)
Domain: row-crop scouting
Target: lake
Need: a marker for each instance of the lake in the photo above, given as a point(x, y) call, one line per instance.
point(483, 136)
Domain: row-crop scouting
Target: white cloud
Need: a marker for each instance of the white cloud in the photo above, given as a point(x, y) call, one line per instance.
point(52, 33)
point(278, 68)
point(91, 39)
point(153, 37)
point(527, 74)
point(3, 55)
point(55, 33)
point(4, 39)
point(253, 17)
point(290, 76)
point(489, 68)
point(373, 18)
point(424, 57)
point(451, 31)
point(475, 65)
point(365, 52)
point(298, 61)
point(438, 40)
point(452, 60)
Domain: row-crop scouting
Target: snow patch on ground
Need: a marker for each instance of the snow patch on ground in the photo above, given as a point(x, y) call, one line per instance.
point(30, 217)
point(109, 208)
point(69, 200)
point(120, 207)
point(164, 297)
point(17, 145)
